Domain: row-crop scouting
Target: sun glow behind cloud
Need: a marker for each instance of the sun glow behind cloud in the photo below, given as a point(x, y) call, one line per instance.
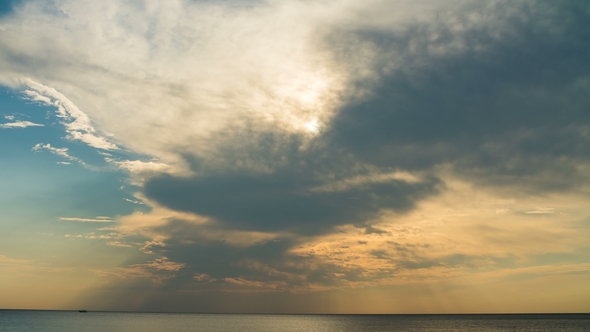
point(261, 65)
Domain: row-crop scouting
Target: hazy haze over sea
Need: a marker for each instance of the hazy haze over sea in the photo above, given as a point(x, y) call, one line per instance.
point(65, 321)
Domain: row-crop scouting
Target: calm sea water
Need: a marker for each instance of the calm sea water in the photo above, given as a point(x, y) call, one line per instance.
point(66, 321)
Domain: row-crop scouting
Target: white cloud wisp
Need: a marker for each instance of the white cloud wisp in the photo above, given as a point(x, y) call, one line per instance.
point(78, 124)
point(20, 124)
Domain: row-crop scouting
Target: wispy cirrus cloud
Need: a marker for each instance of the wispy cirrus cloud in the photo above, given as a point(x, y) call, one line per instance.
point(541, 210)
point(20, 124)
point(118, 244)
point(77, 123)
point(8, 260)
point(97, 219)
point(62, 152)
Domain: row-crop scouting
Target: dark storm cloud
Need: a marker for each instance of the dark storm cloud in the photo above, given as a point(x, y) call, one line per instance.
point(284, 200)
point(510, 105)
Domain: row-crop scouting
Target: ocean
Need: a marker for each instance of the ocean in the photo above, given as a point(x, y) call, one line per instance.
point(66, 321)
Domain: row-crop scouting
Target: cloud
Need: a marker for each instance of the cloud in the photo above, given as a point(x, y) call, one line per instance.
point(20, 124)
point(283, 200)
point(157, 271)
point(86, 219)
point(206, 76)
point(138, 166)
point(475, 95)
point(8, 260)
point(62, 152)
point(313, 146)
point(118, 244)
point(78, 124)
point(541, 210)
point(162, 264)
point(140, 170)
point(469, 103)
point(78, 236)
point(134, 201)
point(203, 277)
point(364, 180)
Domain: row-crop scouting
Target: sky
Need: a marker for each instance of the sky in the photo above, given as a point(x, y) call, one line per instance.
point(301, 156)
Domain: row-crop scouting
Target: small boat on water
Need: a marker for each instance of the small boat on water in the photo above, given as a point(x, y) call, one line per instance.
point(82, 310)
